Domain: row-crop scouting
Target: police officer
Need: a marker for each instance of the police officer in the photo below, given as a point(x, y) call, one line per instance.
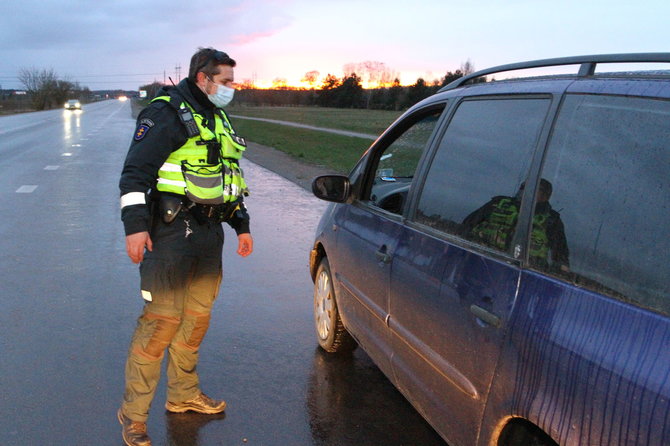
point(181, 179)
point(494, 224)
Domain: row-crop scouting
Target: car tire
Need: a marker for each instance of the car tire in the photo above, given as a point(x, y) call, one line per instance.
point(330, 331)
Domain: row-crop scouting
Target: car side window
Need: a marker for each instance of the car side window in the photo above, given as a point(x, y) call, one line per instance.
point(607, 164)
point(396, 164)
point(474, 186)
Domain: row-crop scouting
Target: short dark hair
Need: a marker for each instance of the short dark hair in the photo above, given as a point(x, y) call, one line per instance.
point(208, 60)
point(546, 187)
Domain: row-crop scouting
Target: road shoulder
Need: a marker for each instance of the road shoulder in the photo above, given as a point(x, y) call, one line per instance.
point(285, 165)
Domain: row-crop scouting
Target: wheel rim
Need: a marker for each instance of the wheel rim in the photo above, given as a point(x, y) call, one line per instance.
point(323, 306)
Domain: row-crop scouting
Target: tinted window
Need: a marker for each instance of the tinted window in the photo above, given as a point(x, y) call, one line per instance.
point(608, 162)
point(397, 163)
point(472, 188)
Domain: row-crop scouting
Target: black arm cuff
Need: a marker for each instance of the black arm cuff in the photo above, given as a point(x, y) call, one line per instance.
point(240, 221)
point(135, 218)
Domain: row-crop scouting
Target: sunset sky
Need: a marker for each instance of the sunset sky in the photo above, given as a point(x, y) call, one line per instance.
point(108, 44)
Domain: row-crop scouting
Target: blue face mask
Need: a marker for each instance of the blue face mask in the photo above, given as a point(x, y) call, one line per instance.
point(223, 95)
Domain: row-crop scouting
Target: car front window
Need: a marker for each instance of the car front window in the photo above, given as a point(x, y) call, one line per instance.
point(397, 163)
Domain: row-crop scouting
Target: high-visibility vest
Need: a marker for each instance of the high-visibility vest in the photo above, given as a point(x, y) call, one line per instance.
point(188, 172)
point(497, 229)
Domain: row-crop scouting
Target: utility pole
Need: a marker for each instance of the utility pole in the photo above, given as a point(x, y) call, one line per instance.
point(177, 70)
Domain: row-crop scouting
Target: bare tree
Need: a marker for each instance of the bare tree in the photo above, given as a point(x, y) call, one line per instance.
point(44, 87)
point(311, 78)
point(373, 74)
point(467, 67)
point(279, 83)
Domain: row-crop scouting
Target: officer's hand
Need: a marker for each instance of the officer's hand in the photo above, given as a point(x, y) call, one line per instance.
point(245, 245)
point(135, 244)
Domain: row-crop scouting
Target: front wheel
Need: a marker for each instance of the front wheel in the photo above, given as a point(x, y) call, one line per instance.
point(330, 331)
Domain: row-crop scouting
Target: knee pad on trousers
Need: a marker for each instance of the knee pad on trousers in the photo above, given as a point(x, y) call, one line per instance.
point(195, 328)
point(163, 329)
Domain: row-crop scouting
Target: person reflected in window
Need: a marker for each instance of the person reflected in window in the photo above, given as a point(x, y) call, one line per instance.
point(494, 224)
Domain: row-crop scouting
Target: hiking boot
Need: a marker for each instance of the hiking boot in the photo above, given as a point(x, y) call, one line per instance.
point(201, 404)
point(134, 432)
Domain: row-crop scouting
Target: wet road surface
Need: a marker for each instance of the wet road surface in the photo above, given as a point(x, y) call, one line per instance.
point(70, 298)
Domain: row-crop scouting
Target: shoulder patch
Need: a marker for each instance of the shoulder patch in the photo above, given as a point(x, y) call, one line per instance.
point(142, 131)
point(146, 121)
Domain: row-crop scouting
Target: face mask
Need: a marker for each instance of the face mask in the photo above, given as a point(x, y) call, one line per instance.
point(222, 97)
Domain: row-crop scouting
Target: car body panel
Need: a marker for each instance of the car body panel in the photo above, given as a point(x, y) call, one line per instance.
point(476, 339)
point(585, 368)
point(442, 350)
point(366, 240)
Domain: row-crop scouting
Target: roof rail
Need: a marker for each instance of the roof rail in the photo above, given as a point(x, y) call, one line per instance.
point(587, 65)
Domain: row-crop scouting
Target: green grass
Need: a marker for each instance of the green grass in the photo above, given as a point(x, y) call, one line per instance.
point(372, 122)
point(337, 152)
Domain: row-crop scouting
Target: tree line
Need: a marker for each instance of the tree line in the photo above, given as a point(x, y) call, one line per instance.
point(347, 92)
point(46, 89)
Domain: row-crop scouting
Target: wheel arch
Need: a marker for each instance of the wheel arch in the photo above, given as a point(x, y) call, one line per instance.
point(317, 253)
point(519, 431)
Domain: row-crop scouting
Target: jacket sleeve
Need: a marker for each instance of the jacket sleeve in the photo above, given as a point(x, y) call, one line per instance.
point(157, 134)
point(240, 220)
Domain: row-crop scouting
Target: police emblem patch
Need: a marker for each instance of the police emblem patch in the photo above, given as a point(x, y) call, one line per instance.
point(141, 132)
point(143, 128)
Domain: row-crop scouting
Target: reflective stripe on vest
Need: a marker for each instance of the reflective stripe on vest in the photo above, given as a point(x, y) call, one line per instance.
point(186, 171)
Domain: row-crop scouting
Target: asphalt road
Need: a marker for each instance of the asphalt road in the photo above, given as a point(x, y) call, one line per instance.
point(70, 298)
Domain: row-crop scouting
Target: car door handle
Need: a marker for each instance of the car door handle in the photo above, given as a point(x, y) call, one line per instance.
point(485, 315)
point(382, 255)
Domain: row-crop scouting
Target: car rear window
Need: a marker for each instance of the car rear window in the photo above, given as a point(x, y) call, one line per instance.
point(608, 161)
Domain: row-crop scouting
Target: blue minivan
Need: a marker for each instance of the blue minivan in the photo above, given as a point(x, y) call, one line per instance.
point(502, 253)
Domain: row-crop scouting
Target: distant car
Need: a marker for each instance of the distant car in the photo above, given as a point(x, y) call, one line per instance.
point(502, 252)
point(73, 104)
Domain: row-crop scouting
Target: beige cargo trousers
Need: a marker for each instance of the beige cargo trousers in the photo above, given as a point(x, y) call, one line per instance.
point(180, 280)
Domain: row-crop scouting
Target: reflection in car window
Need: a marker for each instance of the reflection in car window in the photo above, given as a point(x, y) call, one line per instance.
point(398, 162)
point(608, 161)
point(475, 183)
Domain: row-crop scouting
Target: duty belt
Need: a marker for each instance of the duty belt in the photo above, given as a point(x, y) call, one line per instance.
point(171, 205)
point(206, 210)
point(218, 213)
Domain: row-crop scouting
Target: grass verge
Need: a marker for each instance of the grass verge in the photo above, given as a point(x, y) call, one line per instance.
point(372, 122)
point(336, 152)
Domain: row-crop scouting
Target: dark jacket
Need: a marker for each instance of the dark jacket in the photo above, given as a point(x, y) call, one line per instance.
point(159, 132)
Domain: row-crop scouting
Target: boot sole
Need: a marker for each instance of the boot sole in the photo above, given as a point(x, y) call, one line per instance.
point(181, 409)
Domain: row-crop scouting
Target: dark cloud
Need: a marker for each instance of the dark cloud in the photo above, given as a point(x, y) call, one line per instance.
point(95, 42)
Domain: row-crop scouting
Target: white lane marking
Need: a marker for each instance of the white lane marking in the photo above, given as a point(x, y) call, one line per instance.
point(51, 167)
point(76, 145)
point(26, 189)
point(67, 154)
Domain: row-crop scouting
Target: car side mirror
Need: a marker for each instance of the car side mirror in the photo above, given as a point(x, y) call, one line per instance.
point(335, 188)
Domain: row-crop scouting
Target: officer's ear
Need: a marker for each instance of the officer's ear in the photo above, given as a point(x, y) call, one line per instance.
point(201, 79)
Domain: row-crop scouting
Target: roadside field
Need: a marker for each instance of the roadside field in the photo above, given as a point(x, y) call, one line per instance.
point(355, 120)
point(337, 152)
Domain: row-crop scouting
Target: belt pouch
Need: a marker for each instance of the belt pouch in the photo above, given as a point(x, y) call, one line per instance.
point(169, 206)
